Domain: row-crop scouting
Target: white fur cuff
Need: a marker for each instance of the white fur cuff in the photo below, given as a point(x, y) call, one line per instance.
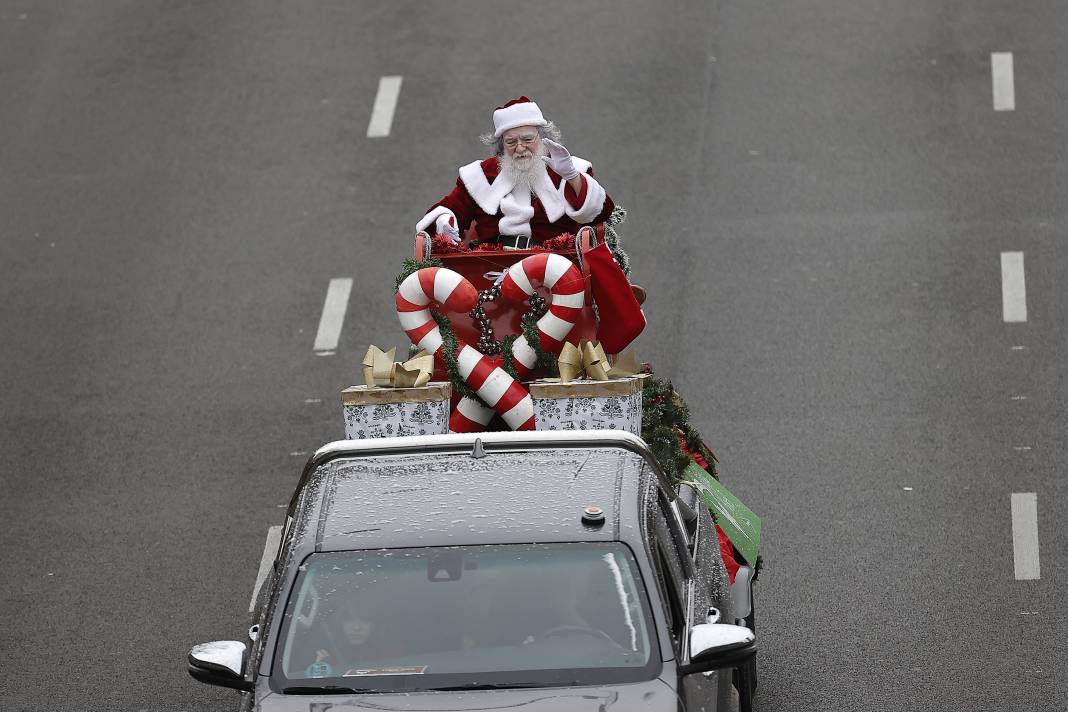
point(591, 207)
point(433, 215)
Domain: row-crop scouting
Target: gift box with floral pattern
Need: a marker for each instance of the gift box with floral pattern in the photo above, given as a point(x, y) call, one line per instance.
point(391, 412)
point(615, 404)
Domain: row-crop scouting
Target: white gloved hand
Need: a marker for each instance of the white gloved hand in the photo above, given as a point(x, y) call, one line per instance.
point(559, 159)
point(446, 225)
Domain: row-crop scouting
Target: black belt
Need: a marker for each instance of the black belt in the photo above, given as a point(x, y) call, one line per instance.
point(516, 242)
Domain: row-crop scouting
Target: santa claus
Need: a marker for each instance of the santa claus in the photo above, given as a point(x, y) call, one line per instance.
point(532, 190)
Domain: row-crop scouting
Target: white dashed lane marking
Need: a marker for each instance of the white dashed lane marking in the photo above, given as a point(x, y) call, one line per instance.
point(385, 104)
point(1025, 536)
point(1013, 289)
point(337, 302)
point(1001, 76)
point(269, 548)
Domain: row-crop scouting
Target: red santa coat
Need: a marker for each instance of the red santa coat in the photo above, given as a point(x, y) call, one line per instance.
point(501, 207)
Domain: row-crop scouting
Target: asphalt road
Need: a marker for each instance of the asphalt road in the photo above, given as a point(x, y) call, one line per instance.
point(819, 195)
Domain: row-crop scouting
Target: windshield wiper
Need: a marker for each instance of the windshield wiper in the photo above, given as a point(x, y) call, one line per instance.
point(492, 686)
point(324, 690)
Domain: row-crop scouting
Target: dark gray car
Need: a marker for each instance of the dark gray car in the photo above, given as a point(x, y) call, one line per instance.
point(546, 571)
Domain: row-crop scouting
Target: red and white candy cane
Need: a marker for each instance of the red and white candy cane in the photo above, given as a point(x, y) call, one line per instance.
point(491, 383)
point(565, 284)
point(567, 291)
point(469, 416)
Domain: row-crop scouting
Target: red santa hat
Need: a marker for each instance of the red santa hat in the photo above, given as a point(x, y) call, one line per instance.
point(517, 112)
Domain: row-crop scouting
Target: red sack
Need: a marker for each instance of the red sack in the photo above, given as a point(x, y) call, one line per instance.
point(726, 550)
point(622, 318)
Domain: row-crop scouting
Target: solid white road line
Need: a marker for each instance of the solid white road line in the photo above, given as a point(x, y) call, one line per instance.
point(337, 301)
point(1025, 536)
point(385, 103)
point(1013, 289)
point(269, 548)
point(1001, 77)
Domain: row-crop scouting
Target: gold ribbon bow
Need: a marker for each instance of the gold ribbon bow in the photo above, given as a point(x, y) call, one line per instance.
point(379, 369)
point(588, 359)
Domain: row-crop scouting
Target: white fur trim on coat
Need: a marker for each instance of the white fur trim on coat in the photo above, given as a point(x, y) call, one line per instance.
point(487, 195)
point(556, 205)
point(502, 195)
point(592, 206)
point(431, 217)
point(516, 212)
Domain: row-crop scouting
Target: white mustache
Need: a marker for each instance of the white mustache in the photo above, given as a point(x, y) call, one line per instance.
point(525, 169)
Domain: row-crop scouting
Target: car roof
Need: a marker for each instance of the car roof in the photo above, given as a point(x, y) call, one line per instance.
point(463, 490)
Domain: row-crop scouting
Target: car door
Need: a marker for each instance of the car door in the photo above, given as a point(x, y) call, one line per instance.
point(688, 579)
point(712, 587)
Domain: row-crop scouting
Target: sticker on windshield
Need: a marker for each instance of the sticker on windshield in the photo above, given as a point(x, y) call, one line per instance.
point(368, 672)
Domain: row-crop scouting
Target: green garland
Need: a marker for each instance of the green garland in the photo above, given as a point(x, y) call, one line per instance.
point(508, 357)
point(546, 361)
point(411, 266)
point(666, 425)
point(450, 347)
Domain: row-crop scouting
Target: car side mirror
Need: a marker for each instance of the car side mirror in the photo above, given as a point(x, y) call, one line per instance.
point(714, 646)
point(221, 662)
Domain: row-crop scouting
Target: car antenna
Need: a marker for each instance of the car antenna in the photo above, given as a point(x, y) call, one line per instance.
point(478, 452)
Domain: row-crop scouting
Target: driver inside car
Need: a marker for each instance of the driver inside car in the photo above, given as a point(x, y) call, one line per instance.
point(556, 609)
point(355, 641)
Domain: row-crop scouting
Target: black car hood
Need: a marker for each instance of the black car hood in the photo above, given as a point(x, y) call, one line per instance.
point(648, 696)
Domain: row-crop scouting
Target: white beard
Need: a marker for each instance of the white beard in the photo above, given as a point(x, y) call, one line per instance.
point(526, 172)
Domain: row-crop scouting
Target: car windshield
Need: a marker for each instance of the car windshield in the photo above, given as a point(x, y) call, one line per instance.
point(470, 616)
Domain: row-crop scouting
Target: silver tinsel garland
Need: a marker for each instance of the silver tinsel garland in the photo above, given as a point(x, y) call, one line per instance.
point(612, 239)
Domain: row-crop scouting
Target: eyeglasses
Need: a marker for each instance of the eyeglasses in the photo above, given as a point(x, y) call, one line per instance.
point(513, 141)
